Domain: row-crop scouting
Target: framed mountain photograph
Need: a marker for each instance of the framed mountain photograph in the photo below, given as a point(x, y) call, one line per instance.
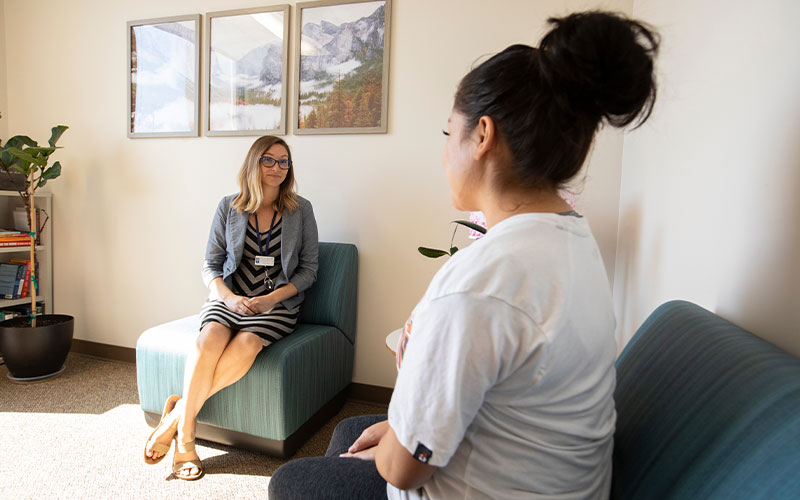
point(341, 71)
point(246, 75)
point(163, 77)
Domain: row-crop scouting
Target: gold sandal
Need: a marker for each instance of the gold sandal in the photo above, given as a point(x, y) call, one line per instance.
point(166, 419)
point(189, 464)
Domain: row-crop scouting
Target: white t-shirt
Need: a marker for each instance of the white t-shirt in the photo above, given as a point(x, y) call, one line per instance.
point(506, 367)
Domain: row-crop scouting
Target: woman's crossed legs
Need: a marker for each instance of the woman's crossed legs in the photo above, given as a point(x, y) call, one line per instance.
point(219, 359)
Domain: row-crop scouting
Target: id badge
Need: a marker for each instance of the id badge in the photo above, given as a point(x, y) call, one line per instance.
point(265, 260)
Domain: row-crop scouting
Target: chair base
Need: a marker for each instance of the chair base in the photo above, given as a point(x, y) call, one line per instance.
point(278, 448)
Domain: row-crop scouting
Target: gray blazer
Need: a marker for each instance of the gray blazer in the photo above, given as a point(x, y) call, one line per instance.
point(299, 247)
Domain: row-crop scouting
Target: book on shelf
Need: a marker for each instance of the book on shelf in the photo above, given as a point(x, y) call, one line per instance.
point(14, 242)
point(19, 281)
point(10, 233)
point(4, 315)
point(9, 279)
point(14, 276)
point(21, 284)
point(21, 221)
point(22, 292)
point(20, 310)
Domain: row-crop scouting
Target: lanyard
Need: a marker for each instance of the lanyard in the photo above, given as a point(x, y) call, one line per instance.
point(269, 234)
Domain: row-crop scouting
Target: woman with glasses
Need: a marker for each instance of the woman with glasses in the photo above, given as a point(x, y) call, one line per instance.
point(261, 256)
point(506, 366)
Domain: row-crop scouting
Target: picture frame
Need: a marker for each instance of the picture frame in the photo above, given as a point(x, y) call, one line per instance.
point(164, 76)
point(341, 67)
point(247, 53)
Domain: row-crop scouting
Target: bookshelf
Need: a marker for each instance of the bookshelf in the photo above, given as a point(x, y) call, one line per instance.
point(9, 200)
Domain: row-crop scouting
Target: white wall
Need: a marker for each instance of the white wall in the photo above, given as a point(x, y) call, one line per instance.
point(710, 197)
point(3, 94)
point(132, 215)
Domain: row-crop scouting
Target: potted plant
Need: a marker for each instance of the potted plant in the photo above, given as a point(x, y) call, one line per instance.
point(477, 226)
point(34, 347)
point(435, 253)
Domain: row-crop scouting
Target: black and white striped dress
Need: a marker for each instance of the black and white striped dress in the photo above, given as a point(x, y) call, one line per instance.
point(248, 280)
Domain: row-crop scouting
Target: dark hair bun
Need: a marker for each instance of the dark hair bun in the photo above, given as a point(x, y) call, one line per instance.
point(600, 65)
point(548, 103)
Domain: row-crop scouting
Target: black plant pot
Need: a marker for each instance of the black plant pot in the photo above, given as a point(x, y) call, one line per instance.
point(36, 353)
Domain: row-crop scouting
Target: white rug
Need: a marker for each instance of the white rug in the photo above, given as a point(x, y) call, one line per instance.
point(100, 456)
point(82, 435)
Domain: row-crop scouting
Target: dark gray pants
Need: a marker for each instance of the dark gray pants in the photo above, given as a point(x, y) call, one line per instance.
point(331, 477)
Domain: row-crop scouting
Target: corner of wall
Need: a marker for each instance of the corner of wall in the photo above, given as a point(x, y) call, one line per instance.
point(3, 79)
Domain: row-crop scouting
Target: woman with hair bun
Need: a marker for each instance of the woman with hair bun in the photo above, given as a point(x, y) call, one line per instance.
point(506, 366)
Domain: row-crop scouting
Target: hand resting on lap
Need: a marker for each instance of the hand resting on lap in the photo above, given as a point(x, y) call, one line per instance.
point(364, 447)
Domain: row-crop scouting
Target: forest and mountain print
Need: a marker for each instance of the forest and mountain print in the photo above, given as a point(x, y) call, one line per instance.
point(341, 66)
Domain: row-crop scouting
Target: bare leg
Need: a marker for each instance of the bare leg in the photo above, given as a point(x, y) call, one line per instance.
point(236, 359)
point(200, 367)
point(198, 373)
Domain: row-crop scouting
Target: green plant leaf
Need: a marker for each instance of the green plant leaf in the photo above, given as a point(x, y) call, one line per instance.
point(52, 172)
point(453, 250)
point(38, 150)
point(24, 156)
point(471, 225)
point(22, 169)
point(20, 140)
point(55, 134)
point(41, 183)
point(15, 164)
point(433, 253)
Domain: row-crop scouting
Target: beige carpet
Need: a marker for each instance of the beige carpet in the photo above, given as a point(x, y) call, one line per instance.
point(81, 435)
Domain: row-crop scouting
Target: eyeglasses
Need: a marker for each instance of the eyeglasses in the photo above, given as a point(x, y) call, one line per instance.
point(269, 162)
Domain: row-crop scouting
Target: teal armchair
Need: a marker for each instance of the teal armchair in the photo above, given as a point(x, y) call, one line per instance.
point(294, 386)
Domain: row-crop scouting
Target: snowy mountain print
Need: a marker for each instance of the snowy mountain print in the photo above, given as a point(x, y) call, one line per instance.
point(163, 77)
point(246, 70)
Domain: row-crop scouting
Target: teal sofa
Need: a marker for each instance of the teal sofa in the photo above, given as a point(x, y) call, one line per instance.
point(294, 386)
point(705, 410)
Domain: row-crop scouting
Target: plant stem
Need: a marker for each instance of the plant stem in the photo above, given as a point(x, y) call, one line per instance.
point(32, 227)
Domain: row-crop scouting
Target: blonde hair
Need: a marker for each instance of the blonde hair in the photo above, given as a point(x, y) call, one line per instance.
point(250, 195)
